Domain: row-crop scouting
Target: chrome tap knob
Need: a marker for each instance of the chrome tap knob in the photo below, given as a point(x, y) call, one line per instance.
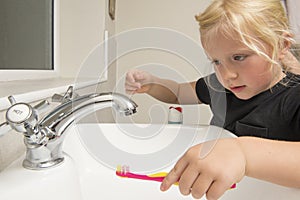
point(21, 116)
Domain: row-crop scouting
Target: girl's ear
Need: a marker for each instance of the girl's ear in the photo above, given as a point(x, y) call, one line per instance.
point(286, 46)
point(288, 60)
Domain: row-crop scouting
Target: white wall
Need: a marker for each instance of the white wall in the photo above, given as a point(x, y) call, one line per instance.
point(177, 16)
point(81, 27)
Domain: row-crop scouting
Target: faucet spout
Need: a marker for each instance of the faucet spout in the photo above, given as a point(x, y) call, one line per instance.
point(46, 151)
point(66, 114)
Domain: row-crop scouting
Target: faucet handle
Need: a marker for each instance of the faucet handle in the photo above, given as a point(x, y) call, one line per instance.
point(57, 98)
point(40, 107)
point(21, 116)
point(12, 100)
point(69, 95)
point(4, 128)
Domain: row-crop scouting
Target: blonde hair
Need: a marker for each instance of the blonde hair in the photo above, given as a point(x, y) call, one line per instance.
point(258, 24)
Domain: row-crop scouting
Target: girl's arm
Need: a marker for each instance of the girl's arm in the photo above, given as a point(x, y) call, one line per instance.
point(227, 161)
point(274, 161)
point(165, 90)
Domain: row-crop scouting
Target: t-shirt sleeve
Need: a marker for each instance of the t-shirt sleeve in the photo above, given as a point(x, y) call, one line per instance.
point(202, 91)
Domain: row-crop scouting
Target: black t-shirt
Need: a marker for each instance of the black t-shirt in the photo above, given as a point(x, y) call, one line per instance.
point(272, 114)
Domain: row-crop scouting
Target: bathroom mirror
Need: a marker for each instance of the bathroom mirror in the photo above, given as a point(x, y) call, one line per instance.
point(26, 36)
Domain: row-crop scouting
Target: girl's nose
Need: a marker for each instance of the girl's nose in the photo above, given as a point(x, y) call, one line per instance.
point(228, 73)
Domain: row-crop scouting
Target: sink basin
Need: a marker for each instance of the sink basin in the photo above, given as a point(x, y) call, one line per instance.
point(94, 150)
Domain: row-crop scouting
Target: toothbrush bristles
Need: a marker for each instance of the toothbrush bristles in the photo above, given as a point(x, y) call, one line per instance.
point(122, 169)
point(125, 169)
point(119, 168)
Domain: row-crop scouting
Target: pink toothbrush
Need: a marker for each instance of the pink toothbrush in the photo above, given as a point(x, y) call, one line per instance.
point(124, 172)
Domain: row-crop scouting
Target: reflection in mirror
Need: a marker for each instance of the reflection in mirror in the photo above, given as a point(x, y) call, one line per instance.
point(26, 35)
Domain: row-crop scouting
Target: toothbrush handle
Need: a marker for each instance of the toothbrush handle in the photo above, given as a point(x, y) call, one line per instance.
point(145, 177)
point(149, 178)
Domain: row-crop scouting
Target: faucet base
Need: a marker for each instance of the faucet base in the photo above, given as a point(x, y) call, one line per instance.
point(42, 165)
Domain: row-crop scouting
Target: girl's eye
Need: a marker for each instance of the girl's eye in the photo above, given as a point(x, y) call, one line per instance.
point(239, 57)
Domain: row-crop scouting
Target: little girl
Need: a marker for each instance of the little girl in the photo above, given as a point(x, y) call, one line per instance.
point(251, 94)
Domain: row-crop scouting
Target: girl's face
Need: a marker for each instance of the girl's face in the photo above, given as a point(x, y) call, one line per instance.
point(241, 70)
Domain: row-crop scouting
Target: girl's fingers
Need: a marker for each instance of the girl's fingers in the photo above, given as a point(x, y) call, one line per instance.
point(201, 186)
point(133, 82)
point(138, 76)
point(187, 179)
point(174, 175)
point(132, 86)
point(134, 76)
point(217, 189)
point(129, 77)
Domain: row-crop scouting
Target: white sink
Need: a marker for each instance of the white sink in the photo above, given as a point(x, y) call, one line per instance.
point(94, 150)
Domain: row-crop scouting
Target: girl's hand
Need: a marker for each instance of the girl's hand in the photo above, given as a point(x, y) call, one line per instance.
point(210, 168)
point(137, 81)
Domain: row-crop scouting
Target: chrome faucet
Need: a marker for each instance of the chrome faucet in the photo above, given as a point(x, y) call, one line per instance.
point(44, 138)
